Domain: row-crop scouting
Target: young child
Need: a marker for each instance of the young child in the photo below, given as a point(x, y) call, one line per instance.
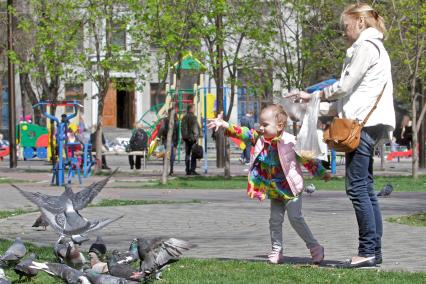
point(275, 173)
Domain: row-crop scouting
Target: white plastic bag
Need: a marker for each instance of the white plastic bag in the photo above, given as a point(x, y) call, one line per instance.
point(308, 144)
point(295, 111)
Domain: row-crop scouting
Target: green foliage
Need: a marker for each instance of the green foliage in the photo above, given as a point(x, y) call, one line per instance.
point(418, 219)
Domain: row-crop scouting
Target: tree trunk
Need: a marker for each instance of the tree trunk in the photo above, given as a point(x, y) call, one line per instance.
point(99, 129)
point(415, 160)
point(53, 145)
point(169, 145)
point(220, 138)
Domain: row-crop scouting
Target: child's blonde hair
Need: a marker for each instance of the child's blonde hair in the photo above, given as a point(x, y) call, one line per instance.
point(280, 114)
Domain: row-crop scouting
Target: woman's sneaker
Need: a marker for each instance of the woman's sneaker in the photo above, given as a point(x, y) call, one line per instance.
point(275, 257)
point(317, 253)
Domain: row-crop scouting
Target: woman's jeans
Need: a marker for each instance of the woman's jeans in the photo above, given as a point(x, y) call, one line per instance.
point(360, 189)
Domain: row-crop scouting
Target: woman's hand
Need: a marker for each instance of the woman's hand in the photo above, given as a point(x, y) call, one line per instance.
point(217, 123)
point(299, 95)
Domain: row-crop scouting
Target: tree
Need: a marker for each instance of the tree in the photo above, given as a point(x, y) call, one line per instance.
point(172, 28)
point(407, 34)
point(102, 56)
point(230, 30)
point(48, 37)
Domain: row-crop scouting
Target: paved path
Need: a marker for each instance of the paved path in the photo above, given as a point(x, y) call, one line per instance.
point(227, 224)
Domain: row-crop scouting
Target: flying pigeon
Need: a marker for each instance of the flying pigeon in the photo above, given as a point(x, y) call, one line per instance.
point(63, 271)
point(96, 278)
point(15, 252)
point(310, 188)
point(61, 212)
point(122, 270)
point(386, 190)
point(3, 279)
point(98, 247)
point(40, 222)
point(23, 269)
point(156, 253)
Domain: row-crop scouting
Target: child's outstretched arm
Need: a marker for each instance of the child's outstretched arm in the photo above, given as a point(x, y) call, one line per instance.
point(315, 167)
point(234, 130)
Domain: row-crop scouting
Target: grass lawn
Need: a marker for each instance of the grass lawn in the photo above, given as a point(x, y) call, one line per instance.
point(418, 219)
point(234, 271)
point(399, 183)
point(8, 180)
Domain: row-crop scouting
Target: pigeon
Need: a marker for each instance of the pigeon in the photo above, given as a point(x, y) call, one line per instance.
point(40, 222)
point(23, 269)
point(98, 247)
point(122, 270)
point(63, 271)
point(96, 278)
point(61, 212)
point(96, 264)
point(310, 188)
point(79, 239)
point(131, 255)
point(69, 253)
point(3, 279)
point(154, 254)
point(14, 253)
point(386, 190)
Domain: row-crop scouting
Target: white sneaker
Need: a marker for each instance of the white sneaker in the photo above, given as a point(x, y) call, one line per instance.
point(275, 257)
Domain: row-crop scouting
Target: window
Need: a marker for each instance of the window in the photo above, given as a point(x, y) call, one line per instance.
point(119, 35)
point(254, 91)
point(73, 92)
point(158, 94)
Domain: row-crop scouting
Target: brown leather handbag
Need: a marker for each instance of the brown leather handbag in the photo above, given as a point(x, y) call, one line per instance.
point(344, 134)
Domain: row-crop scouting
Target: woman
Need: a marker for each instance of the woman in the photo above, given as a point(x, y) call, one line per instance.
point(366, 73)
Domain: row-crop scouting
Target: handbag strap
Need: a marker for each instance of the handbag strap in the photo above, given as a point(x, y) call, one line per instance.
point(374, 107)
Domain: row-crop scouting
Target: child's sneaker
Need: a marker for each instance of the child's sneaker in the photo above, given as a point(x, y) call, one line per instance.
point(275, 257)
point(317, 253)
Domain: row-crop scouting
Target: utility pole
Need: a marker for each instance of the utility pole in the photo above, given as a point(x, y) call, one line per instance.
point(11, 87)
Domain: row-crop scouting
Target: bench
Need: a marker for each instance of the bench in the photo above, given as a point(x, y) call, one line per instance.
point(124, 153)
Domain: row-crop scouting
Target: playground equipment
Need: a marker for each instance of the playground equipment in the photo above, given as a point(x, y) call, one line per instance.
point(66, 151)
point(33, 140)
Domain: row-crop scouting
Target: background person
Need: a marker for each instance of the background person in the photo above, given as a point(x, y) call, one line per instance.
point(247, 121)
point(175, 141)
point(138, 142)
point(190, 130)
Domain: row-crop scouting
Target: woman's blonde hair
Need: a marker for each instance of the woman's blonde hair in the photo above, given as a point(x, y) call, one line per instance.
point(372, 18)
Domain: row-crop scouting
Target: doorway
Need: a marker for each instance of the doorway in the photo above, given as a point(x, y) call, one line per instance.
point(125, 108)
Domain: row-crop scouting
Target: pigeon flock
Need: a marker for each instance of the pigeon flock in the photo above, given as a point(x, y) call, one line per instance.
point(143, 261)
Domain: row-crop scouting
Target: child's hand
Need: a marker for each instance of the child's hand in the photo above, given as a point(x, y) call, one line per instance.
point(326, 177)
point(217, 122)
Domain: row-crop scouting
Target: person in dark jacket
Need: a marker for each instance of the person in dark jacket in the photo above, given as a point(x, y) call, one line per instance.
point(175, 139)
point(138, 142)
point(247, 121)
point(190, 134)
